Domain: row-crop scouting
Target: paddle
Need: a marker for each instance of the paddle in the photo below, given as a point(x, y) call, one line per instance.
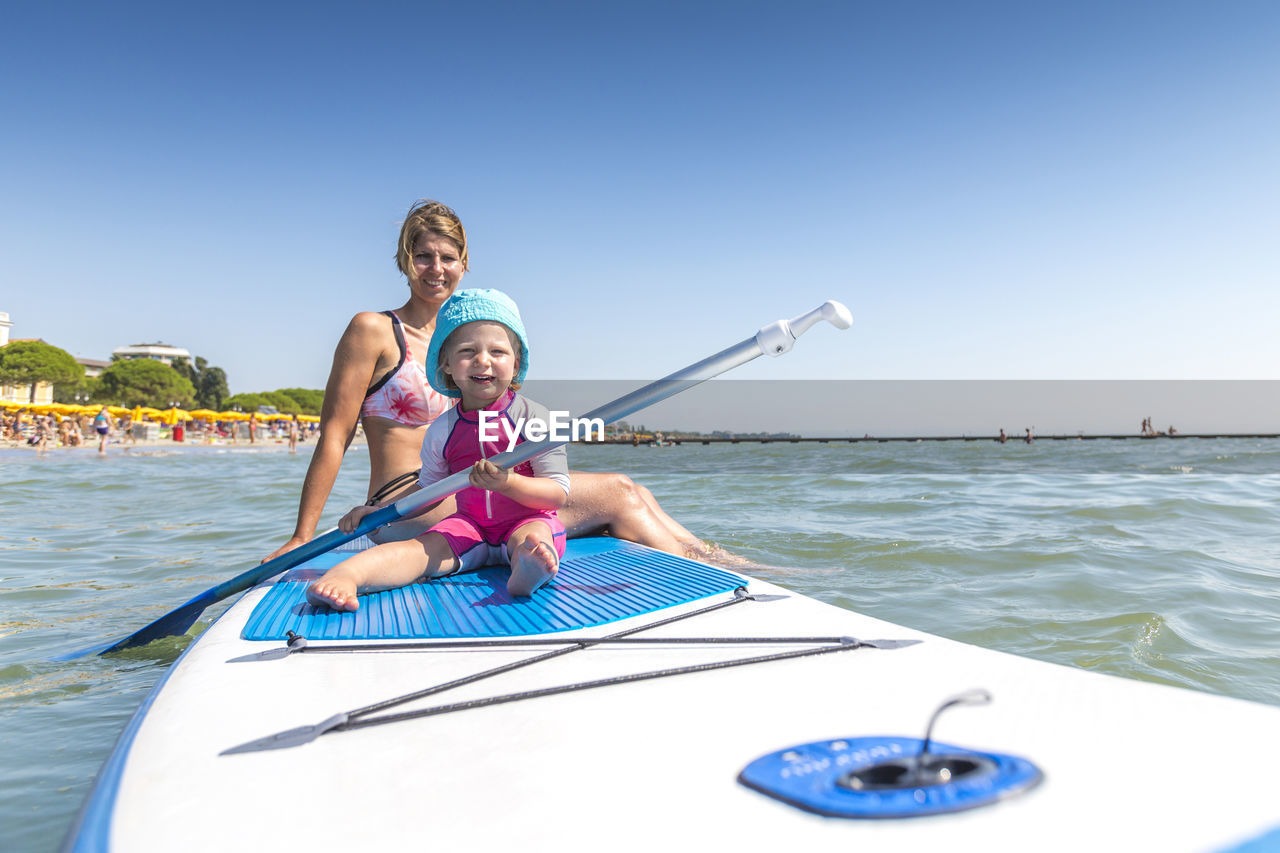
point(774, 339)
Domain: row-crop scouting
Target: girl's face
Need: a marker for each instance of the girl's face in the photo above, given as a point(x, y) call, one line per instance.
point(482, 361)
point(436, 268)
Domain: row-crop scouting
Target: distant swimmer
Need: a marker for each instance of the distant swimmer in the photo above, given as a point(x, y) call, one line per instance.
point(1003, 438)
point(1030, 438)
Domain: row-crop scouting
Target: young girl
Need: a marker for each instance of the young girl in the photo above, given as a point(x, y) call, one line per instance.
point(479, 353)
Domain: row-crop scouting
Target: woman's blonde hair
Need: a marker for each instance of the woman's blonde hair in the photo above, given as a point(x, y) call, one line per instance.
point(430, 217)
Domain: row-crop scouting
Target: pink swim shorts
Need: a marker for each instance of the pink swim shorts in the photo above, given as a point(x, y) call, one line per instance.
point(476, 546)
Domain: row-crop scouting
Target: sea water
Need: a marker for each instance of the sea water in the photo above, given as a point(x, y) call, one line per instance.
point(1157, 560)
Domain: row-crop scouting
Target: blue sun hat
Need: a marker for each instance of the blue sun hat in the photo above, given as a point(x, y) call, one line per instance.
point(470, 306)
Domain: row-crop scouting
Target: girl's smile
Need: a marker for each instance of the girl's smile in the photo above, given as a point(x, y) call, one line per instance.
point(481, 359)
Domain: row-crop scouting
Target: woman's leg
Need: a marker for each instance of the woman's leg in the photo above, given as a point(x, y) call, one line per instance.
point(411, 528)
point(613, 503)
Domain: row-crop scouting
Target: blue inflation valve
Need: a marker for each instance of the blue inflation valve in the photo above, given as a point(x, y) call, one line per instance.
point(891, 777)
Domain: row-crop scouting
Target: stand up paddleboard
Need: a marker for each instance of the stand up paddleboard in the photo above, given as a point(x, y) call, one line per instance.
point(643, 702)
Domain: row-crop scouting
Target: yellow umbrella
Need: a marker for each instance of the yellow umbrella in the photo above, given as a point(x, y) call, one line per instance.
point(205, 414)
point(119, 410)
point(311, 419)
point(10, 404)
point(233, 416)
point(172, 416)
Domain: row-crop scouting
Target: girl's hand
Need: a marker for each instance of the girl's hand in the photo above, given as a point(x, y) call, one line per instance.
point(485, 475)
point(351, 520)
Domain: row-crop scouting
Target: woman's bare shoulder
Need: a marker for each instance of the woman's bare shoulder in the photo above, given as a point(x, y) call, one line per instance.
point(369, 322)
point(368, 337)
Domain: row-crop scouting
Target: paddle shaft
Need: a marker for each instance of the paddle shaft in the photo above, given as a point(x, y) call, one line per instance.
point(774, 339)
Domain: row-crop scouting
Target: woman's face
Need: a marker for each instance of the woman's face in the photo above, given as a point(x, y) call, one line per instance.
point(436, 268)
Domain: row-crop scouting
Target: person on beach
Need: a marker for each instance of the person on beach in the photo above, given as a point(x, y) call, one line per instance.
point(293, 434)
point(41, 436)
point(102, 425)
point(376, 380)
point(479, 353)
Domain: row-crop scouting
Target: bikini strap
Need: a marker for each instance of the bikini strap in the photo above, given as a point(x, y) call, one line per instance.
point(393, 486)
point(399, 333)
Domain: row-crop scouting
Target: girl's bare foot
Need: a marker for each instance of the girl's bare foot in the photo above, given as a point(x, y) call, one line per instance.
point(535, 564)
point(337, 593)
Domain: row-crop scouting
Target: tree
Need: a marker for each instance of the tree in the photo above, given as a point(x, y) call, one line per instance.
point(210, 382)
point(186, 371)
point(31, 362)
point(310, 399)
point(246, 402)
point(302, 401)
point(212, 391)
point(144, 382)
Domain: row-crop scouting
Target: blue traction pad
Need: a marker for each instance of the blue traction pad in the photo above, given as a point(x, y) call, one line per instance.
point(600, 580)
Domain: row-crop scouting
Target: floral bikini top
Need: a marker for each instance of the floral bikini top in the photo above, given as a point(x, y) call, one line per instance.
point(404, 395)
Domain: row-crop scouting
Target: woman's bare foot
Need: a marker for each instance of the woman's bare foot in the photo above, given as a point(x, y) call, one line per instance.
point(710, 552)
point(333, 591)
point(535, 563)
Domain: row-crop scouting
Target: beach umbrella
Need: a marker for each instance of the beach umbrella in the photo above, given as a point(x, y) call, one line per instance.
point(172, 416)
point(233, 416)
point(204, 414)
point(311, 419)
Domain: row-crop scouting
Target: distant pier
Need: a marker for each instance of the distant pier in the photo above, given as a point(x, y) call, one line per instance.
point(1012, 439)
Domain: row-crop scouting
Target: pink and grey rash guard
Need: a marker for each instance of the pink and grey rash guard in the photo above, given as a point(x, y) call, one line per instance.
point(453, 444)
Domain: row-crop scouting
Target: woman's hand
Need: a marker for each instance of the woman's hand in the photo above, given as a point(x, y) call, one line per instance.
point(485, 475)
point(285, 548)
point(351, 520)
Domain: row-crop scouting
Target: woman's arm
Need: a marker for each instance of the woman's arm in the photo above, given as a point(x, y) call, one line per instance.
point(355, 361)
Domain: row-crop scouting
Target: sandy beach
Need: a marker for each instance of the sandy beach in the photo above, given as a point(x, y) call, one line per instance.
point(129, 445)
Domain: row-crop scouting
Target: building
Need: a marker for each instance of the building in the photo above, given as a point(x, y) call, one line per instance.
point(159, 351)
point(93, 367)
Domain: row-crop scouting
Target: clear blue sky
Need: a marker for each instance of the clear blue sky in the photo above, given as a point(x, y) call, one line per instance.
point(1011, 190)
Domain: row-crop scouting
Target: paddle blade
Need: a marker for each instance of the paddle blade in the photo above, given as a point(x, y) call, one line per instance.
point(172, 624)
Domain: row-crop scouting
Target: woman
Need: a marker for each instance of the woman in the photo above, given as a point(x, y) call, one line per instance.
point(377, 378)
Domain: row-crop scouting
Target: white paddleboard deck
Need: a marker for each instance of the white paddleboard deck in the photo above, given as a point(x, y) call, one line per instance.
point(653, 765)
